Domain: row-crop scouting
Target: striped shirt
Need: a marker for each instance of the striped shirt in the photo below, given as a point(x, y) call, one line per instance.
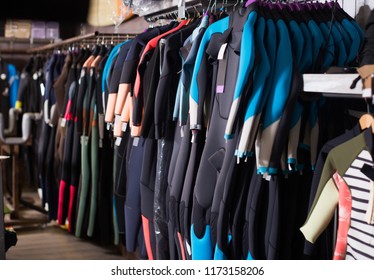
point(361, 234)
point(347, 160)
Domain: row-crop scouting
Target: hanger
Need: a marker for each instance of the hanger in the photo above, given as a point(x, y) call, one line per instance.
point(249, 2)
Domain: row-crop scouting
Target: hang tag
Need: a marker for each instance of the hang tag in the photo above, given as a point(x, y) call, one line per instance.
point(188, 248)
point(118, 141)
point(42, 89)
point(366, 93)
point(135, 142)
point(35, 76)
point(222, 51)
point(3, 76)
point(194, 137)
point(222, 67)
point(182, 131)
point(6, 92)
point(63, 122)
point(85, 140)
point(108, 126)
point(101, 125)
point(124, 126)
point(117, 120)
point(369, 216)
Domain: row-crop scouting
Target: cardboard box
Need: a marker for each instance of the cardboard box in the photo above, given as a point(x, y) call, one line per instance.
point(38, 29)
point(52, 30)
point(18, 29)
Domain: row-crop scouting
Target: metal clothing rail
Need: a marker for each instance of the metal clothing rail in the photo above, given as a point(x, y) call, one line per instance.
point(81, 38)
point(332, 85)
point(173, 12)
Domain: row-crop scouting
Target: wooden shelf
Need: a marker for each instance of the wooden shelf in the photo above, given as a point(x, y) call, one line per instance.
point(20, 45)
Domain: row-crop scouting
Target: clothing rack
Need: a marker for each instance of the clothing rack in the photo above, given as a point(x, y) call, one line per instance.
point(173, 12)
point(19, 46)
point(93, 37)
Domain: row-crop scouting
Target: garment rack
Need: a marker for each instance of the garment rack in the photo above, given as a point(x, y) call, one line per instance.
point(171, 12)
point(192, 5)
point(85, 38)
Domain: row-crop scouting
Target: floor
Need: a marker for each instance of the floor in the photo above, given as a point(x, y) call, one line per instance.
point(38, 239)
point(54, 243)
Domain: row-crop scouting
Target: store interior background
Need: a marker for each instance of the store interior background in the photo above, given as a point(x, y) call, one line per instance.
point(76, 18)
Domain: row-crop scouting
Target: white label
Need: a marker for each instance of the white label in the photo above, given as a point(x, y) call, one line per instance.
point(182, 131)
point(222, 51)
point(63, 122)
point(118, 141)
point(42, 89)
point(366, 93)
point(35, 76)
point(135, 142)
point(188, 248)
point(124, 126)
point(117, 120)
point(3, 76)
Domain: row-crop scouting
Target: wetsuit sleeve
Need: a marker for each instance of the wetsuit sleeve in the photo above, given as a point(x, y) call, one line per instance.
point(261, 72)
point(322, 213)
point(277, 97)
point(195, 91)
point(247, 58)
point(186, 79)
point(13, 81)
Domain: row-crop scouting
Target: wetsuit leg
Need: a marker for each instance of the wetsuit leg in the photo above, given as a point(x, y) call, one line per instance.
point(219, 201)
point(185, 208)
point(84, 186)
point(238, 208)
point(105, 190)
point(51, 182)
point(272, 219)
point(132, 203)
point(170, 200)
point(64, 184)
point(255, 215)
point(147, 187)
point(182, 152)
point(94, 179)
point(164, 153)
point(75, 177)
point(120, 177)
point(43, 144)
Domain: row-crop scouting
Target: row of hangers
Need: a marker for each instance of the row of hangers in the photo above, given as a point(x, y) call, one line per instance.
point(87, 41)
point(214, 6)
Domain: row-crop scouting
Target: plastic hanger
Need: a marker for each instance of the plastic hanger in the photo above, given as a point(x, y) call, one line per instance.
point(249, 2)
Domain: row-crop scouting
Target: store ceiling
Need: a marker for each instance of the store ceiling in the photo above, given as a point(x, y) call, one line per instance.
point(73, 11)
